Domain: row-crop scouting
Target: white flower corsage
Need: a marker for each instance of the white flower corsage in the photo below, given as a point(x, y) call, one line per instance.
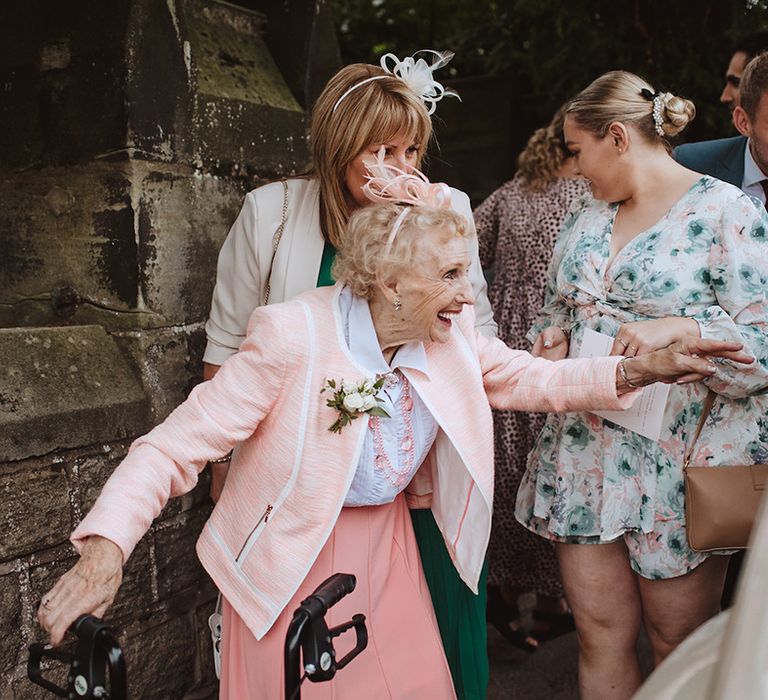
point(351, 399)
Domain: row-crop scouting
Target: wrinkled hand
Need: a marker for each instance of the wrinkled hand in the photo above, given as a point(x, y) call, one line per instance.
point(89, 587)
point(641, 337)
point(684, 361)
point(552, 344)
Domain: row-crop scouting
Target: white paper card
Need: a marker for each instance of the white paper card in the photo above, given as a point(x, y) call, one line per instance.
point(646, 415)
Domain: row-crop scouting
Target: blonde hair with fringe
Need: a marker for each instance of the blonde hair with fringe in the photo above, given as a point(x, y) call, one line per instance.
point(364, 258)
point(373, 113)
point(544, 153)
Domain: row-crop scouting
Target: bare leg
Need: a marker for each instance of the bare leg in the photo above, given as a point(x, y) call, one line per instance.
point(675, 607)
point(602, 591)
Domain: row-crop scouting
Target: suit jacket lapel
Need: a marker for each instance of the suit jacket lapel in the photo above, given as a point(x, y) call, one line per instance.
point(731, 166)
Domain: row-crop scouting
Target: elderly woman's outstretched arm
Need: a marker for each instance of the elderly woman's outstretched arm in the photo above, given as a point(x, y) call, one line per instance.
point(515, 380)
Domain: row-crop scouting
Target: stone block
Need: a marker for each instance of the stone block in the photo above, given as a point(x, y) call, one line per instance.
point(65, 387)
point(233, 133)
point(135, 599)
point(160, 657)
point(62, 67)
point(178, 567)
point(182, 223)
point(244, 112)
point(158, 85)
point(123, 246)
point(10, 622)
point(170, 363)
point(90, 472)
point(302, 40)
point(19, 687)
point(34, 509)
point(70, 248)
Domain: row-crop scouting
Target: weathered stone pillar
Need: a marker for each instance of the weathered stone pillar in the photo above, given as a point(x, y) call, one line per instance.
point(130, 132)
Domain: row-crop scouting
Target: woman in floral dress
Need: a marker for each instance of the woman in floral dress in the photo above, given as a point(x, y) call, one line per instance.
point(660, 252)
point(517, 226)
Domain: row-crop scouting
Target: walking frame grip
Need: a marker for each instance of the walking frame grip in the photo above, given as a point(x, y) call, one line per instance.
point(96, 653)
point(309, 635)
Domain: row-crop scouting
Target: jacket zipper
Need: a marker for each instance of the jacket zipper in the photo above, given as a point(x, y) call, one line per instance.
point(262, 521)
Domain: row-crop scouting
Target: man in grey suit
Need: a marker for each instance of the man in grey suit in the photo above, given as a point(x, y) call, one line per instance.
point(741, 160)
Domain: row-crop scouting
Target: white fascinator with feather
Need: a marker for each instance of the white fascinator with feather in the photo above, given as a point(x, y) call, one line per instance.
point(416, 73)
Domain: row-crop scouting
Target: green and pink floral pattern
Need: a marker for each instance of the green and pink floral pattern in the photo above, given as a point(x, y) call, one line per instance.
point(591, 481)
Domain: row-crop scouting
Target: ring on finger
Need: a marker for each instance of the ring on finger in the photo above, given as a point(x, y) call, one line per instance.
point(632, 348)
point(623, 342)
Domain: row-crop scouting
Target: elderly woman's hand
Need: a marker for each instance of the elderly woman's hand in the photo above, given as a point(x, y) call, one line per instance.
point(641, 337)
point(685, 361)
point(551, 344)
point(89, 587)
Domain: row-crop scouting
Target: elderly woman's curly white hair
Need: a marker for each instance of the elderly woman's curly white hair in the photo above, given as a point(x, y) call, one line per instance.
point(365, 258)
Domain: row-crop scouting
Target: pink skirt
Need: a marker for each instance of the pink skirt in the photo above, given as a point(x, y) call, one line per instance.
point(404, 659)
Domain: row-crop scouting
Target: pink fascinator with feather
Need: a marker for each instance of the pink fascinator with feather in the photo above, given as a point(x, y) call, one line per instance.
point(386, 183)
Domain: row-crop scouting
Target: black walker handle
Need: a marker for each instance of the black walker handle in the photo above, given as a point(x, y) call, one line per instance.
point(332, 590)
point(96, 653)
point(309, 636)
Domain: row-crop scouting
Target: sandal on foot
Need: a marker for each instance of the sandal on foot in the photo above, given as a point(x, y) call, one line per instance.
point(516, 636)
point(503, 618)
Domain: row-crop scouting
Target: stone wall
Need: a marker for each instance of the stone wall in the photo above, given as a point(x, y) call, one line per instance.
point(131, 131)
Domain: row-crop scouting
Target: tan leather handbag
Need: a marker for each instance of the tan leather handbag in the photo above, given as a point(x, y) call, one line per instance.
point(721, 503)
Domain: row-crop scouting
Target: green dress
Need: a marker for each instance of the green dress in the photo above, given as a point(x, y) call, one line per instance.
point(460, 613)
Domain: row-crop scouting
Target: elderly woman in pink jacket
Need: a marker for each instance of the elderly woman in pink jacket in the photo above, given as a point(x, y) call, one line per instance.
point(366, 389)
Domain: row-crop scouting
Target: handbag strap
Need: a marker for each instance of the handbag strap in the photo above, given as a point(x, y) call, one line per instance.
point(276, 241)
point(705, 411)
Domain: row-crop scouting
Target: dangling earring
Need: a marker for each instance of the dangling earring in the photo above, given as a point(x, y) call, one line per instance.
point(397, 304)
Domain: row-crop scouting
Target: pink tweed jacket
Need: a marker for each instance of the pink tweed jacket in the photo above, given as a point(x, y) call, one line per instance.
point(289, 474)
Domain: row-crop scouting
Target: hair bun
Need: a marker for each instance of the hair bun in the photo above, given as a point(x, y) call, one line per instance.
point(676, 112)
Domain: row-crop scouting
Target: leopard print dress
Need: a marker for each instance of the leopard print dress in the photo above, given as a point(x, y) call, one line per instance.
point(516, 229)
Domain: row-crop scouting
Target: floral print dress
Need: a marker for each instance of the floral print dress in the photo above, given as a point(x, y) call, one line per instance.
point(589, 480)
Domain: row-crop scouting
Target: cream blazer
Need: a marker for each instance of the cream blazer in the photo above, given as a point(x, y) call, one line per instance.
point(243, 269)
point(290, 474)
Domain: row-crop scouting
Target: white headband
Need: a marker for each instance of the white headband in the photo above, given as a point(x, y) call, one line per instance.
point(357, 85)
point(395, 228)
point(416, 74)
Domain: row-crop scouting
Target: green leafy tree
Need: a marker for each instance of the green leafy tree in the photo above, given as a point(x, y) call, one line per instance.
point(550, 49)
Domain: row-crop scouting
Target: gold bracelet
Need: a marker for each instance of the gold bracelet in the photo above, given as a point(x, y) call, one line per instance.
point(222, 460)
point(623, 373)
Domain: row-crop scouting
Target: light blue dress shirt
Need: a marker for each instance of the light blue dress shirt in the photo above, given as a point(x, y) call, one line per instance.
point(370, 486)
point(753, 176)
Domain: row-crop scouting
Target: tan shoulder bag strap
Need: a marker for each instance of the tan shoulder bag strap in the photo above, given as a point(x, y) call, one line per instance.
point(705, 411)
point(276, 240)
